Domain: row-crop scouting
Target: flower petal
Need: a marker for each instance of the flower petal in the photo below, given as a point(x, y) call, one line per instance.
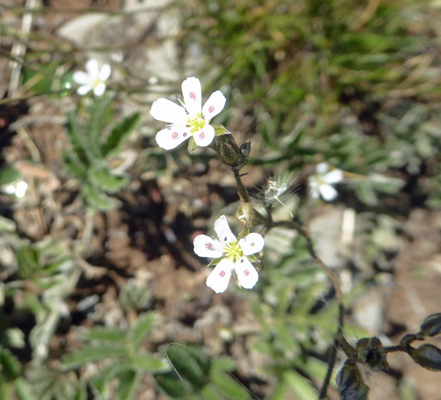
point(191, 89)
point(328, 192)
point(214, 105)
point(223, 230)
point(219, 278)
point(205, 246)
point(82, 90)
point(92, 68)
point(322, 168)
point(247, 275)
point(251, 244)
point(313, 186)
point(105, 72)
point(99, 89)
point(81, 78)
point(166, 111)
point(172, 137)
point(205, 136)
point(334, 176)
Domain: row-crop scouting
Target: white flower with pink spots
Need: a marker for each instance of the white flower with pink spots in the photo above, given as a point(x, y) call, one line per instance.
point(189, 119)
point(235, 256)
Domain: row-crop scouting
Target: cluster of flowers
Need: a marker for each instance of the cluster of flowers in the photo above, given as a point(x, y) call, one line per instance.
point(190, 119)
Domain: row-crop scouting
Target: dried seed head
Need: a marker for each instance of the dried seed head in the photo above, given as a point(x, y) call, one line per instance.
point(428, 356)
point(431, 325)
point(371, 352)
point(350, 383)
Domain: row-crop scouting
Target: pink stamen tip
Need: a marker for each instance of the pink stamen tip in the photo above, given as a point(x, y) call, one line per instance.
point(246, 272)
point(175, 135)
point(192, 95)
point(202, 135)
point(222, 274)
point(185, 134)
point(211, 109)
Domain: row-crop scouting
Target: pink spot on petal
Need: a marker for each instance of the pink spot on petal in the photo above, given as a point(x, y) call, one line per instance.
point(222, 274)
point(208, 245)
point(202, 135)
point(175, 135)
point(192, 95)
point(211, 109)
point(246, 272)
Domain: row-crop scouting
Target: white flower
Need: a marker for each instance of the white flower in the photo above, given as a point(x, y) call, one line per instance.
point(189, 119)
point(321, 183)
point(236, 255)
point(94, 79)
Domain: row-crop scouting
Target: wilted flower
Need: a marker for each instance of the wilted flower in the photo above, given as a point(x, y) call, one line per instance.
point(18, 189)
point(232, 254)
point(94, 79)
point(321, 182)
point(188, 120)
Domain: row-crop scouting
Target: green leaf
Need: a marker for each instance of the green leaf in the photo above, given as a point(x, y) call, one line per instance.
point(173, 386)
point(9, 365)
point(28, 262)
point(74, 165)
point(147, 362)
point(300, 386)
point(142, 328)
point(223, 364)
point(128, 383)
point(97, 199)
point(192, 146)
point(93, 353)
point(209, 392)
point(23, 390)
point(119, 134)
point(229, 387)
point(220, 130)
point(112, 335)
point(103, 179)
point(9, 174)
point(107, 374)
point(186, 365)
point(78, 140)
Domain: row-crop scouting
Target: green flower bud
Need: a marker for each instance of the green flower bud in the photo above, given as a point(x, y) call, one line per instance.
point(350, 383)
point(428, 356)
point(371, 352)
point(431, 325)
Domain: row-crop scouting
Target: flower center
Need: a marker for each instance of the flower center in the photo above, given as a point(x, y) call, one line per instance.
point(233, 250)
point(195, 122)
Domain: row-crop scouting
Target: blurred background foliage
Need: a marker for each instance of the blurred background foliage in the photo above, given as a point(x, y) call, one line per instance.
point(356, 84)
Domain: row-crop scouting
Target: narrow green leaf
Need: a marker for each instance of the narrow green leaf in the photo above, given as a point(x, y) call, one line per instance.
point(93, 353)
point(102, 178)
point(128, 383)
point(23, 390)
point(229, 387)
point(74, 165)
point(9, 365)
point(209, 392)
point(107, 374)
point(142, 328)
point(192, 146)
point(300, 386)
point(119, 134)
point(96, 199)
point(77, 138)
point(173, 386)
point(147, 362)
point(101, 334)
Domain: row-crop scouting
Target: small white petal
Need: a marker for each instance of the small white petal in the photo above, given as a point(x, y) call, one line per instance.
point(214, 105)
point(191, 89)
point(251, 243)
point(314, 187)
point(247, 275)
point(322, 168)
point(219, 278)
point(334, 176)
point(328, 192)
point(99, 89)
point(205, 136)
point(172, 137)
point(205, 246)
point(166, 111)
point(223, 230)
point(81, 78)
point(105, 72)
point(82, 90)
point(92, 68)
